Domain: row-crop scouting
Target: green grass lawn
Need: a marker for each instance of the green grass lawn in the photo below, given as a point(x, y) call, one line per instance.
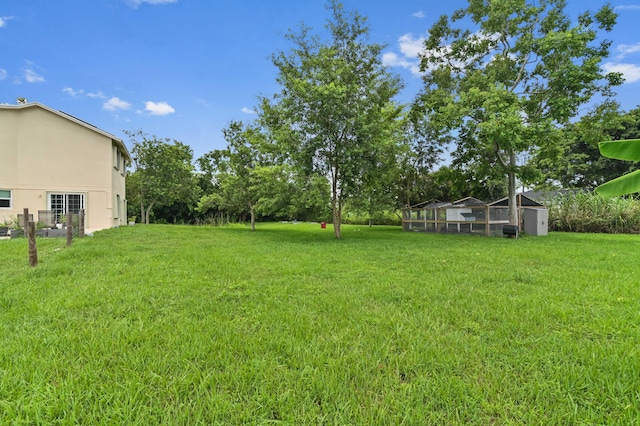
point(199, 325)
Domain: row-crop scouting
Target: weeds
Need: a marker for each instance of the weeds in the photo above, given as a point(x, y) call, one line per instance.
point(585, 212)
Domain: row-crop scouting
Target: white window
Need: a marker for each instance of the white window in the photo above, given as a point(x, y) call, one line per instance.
point(5, 199)
point(65, 203)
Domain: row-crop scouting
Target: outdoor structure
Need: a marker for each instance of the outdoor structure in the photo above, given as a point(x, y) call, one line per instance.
point(52, 161)
point(473, 216)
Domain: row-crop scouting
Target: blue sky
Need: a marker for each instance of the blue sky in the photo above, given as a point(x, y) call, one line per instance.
point(182, 69)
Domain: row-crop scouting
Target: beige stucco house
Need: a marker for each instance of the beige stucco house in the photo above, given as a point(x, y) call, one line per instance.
point(50, 160)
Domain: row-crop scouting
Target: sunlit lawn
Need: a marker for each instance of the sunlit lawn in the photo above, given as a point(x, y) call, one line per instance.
point(200, 325)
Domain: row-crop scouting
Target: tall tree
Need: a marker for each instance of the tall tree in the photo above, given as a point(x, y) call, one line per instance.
point(257, 184)
point(376, 192)
point(310, 197)
point(335, 106)
point(419, 152)
point(163, 173)
point(450, 183)
point(508, 84)
point(238, 172)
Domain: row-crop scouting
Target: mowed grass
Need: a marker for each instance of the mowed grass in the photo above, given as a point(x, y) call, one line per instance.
point(199, 325)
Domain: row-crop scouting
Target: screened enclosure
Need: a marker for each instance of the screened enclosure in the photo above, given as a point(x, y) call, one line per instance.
point(468, 215)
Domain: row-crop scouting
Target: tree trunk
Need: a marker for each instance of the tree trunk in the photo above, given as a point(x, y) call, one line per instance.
point(513, 203)
point(336, 205)
point(146, 214)
point(337, 216)
point(407, 194)
point(253, 217)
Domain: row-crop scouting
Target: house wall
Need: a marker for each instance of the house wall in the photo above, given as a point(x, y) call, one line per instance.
point(43, 152)
point(118, 199)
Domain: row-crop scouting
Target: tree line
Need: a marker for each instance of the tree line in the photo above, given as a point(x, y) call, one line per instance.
point(503, 88)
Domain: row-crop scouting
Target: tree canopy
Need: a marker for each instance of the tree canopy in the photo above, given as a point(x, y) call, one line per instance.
point(334, 113)
point(163, 173)
point(505, 76)
point(576, 162)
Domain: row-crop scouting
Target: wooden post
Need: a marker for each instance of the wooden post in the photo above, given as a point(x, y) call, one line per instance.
point(33, 249)
point(81, 225)
point(488, 230)
point(69, 228)
point(25, 219)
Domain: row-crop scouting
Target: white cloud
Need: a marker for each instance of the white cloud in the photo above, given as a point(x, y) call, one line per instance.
point(4, 19)
point(627, 49)
point(628, 7)
point(32, 77)
point(248, 110)
point(158, 108)
point(411, 47)
point(115, 104)
point(29, 75)
point(420, 14)
point(630, 72)
point(3, 73)
point(80, 93)
point(97, 95)
point(74, 93)
point(390, 59)
point(136, 3)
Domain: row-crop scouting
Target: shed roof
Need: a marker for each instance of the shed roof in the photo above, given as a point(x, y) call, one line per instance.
point(468, 201)
point(431, 204)
point(522, 201)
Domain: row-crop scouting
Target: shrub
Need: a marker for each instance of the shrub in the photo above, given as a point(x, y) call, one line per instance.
point(378, 218)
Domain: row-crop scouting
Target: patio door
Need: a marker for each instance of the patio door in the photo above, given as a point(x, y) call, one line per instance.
point(62, 204)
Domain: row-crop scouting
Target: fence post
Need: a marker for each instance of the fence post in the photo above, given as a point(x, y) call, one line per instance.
point(33, 249)
point(25, 219)
point(69, 228)
point(81, 225)
point(488, 230)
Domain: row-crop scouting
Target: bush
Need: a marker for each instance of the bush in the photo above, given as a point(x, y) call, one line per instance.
point(587, 212)
point(378, 218)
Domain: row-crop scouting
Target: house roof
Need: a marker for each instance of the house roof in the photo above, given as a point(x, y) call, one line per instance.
point(73, 119)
